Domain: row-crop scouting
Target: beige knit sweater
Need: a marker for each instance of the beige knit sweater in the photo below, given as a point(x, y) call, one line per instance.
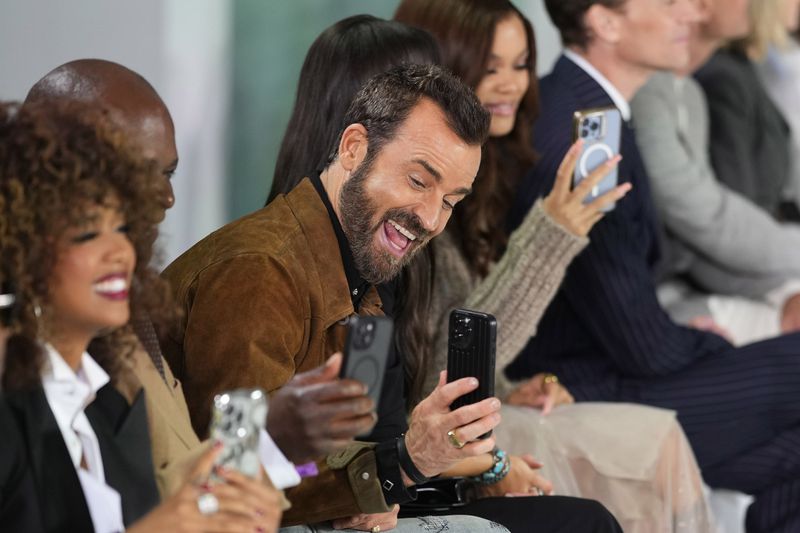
point(517, 290)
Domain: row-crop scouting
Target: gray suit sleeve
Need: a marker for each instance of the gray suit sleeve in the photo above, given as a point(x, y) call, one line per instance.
point(741, 249)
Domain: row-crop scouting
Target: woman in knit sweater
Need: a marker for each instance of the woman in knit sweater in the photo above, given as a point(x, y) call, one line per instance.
point(633, 459)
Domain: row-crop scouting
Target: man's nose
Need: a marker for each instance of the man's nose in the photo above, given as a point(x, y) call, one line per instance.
point(430, 214)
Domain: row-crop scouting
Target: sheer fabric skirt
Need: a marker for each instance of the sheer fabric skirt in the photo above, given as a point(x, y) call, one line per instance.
point(633, 459)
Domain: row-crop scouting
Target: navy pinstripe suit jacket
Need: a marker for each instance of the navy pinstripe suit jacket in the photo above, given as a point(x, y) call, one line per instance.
point(605, 325)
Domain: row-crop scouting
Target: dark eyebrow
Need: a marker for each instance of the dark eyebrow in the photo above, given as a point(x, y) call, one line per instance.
point(435, 173)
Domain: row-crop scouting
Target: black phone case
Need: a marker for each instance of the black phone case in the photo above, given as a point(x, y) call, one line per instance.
point(369, 339)
point(471, 353)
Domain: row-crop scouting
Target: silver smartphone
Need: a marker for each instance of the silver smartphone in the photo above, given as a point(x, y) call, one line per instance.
point(236, 419)
point(601, 131)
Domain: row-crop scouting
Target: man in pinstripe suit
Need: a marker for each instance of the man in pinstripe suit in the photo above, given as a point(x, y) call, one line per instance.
point(605, 334)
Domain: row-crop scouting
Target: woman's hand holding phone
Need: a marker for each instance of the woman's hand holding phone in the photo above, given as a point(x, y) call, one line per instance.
point(243, 504)
point(565, 204)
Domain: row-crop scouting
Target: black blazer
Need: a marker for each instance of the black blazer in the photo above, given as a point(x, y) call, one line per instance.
point(605, 323)
point(124, 439)
point(19, 510)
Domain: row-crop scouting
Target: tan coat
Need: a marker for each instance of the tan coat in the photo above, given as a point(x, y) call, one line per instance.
point(175, 445)
point(263, 298)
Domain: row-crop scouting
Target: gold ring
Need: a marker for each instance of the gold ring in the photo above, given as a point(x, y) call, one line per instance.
point(454, 440)
point(550, 378)
point(376, 529)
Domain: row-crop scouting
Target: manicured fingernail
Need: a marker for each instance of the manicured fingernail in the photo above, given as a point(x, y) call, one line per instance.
point(473, 382)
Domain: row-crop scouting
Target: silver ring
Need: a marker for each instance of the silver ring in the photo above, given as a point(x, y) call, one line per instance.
point(207, 504)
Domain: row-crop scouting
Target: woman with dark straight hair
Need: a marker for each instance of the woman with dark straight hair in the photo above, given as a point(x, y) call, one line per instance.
point(633, 459)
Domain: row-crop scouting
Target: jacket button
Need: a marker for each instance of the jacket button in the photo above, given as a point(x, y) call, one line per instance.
point(365, 476)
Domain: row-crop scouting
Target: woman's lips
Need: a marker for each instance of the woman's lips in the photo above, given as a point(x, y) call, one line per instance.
point(502, 109)
point(112, 287)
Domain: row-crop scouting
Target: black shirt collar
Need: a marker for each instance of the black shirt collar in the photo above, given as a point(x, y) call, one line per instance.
point(357, 284)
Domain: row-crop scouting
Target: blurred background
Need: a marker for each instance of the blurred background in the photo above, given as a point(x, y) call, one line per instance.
point(227, 70)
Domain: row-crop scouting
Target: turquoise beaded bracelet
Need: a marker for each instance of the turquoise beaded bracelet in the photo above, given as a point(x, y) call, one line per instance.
point(499, 469)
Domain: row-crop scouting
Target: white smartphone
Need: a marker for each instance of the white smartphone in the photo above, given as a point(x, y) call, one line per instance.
point(237, 417)
point(601, 131)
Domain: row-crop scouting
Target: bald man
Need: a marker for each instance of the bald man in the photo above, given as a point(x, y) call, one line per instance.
point(132, 103)
point(293, 422)
point(137, 110)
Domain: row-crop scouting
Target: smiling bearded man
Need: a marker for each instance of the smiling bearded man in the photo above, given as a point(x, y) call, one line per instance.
point(265, 297)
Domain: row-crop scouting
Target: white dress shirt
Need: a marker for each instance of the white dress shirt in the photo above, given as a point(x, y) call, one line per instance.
point(68, 393)
point(616, 96)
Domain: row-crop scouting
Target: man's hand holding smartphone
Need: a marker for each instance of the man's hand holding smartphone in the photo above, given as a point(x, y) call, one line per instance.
point(427, 440)
point(317, 413)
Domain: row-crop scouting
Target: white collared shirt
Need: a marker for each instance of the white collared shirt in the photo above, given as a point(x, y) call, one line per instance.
point(616, 96)
point(68, 393)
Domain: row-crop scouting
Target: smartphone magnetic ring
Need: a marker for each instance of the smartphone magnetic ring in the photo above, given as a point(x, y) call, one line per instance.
point(601, 130)
point(369, 339)
point(471, 347)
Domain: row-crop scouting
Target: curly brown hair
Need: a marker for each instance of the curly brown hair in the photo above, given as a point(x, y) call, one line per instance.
point(57, 160)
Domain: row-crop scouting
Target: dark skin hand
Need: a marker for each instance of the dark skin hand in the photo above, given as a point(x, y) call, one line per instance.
point(317, 413)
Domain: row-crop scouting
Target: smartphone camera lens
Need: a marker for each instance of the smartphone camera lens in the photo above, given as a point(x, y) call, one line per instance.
point(364, 333)
point(462, 334)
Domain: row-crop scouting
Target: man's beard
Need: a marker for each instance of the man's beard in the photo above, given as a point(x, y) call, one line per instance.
point(358, 222)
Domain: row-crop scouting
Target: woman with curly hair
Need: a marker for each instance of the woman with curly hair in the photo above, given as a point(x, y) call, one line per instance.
point(80, 213)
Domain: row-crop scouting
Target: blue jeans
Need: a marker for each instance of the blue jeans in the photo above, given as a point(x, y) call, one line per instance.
point(423, 524)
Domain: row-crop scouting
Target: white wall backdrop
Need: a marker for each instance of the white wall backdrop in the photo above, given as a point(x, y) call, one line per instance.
point(180, 46)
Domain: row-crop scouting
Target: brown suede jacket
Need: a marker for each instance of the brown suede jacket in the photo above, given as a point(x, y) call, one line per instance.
point(263, 298)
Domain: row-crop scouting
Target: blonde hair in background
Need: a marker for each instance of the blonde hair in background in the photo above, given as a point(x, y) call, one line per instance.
point(769, 29)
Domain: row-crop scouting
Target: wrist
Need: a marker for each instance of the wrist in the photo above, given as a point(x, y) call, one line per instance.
point(501, 466)
point(409, 468)
point(416, 457)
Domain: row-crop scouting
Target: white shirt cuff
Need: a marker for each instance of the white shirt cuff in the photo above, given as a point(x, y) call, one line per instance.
point(778, 296)
point(280, 470)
